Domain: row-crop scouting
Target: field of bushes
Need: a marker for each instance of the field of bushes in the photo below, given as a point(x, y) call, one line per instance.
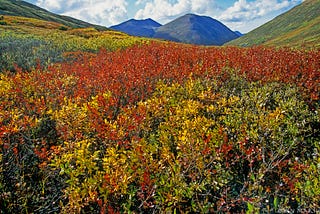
point(154, 127)
point(27, 43)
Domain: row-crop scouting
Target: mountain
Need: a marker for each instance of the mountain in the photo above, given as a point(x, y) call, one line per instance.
point(145, 28)
point(194, 29)
point(300, 26)
point(238, 33)
point(25, 9)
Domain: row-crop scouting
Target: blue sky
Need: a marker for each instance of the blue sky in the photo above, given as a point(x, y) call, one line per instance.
point(241, 15)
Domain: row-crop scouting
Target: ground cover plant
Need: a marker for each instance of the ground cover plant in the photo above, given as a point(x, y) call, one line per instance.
point(27, 43)
point(163, 127)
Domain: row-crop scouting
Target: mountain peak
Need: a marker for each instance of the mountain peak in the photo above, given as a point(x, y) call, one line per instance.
point(189, 28)
point(134, 27)
point(196, 29)
point(190, 15)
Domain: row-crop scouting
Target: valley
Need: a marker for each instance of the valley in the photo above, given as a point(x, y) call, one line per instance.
point(94, 120)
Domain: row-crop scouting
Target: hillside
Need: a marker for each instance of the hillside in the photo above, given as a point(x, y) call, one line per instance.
point(31, 36)
point(24, 9)
point(238, 33)
point(298, 27)
point(145, 28)
point(25, 42)
point(194, 29)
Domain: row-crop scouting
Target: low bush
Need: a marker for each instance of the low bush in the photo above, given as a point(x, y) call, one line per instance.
point(63, 28)
point(27, 53)
point(163, 128)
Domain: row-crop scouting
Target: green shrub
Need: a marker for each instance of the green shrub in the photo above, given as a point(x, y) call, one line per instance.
point(27, 53)
point(27, 183)
point(204, 146)
point(63, 28)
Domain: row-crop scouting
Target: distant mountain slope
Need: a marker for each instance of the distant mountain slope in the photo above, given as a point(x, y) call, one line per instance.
point(298, 27)
point(25, 9)
point(194, 29)
point(145, 28)
point(238, 33)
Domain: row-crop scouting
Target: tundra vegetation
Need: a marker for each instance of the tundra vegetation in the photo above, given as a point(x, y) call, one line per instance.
point(137, 126)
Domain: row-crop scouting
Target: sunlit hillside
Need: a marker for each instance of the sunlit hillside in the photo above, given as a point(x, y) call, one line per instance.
point(299, 27)
point(26, 40)
point(25, 9)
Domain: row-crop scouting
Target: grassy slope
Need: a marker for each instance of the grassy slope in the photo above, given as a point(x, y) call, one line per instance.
point(297, 27)
point(24, 9)
point(26, 41)
point(78, 39)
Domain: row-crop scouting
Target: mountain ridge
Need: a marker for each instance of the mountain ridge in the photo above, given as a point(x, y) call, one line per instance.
point(195, 29)
point(25, 9)
point(299, 26)
point(134, 27)
point(190, 28)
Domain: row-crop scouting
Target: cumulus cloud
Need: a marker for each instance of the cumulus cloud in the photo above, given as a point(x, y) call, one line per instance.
point(50, 5)
point(164, 10)
point(243, 15)
point(138, 2)
point(103, 12)
point(247, 15)
point(244, 11)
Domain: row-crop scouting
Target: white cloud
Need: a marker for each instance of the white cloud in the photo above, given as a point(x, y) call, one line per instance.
point(248, 15)
point(50, 5)
point(139, 2)
point(164, 10)
point(243, 15)
point(103, 12)
point(243, 10)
